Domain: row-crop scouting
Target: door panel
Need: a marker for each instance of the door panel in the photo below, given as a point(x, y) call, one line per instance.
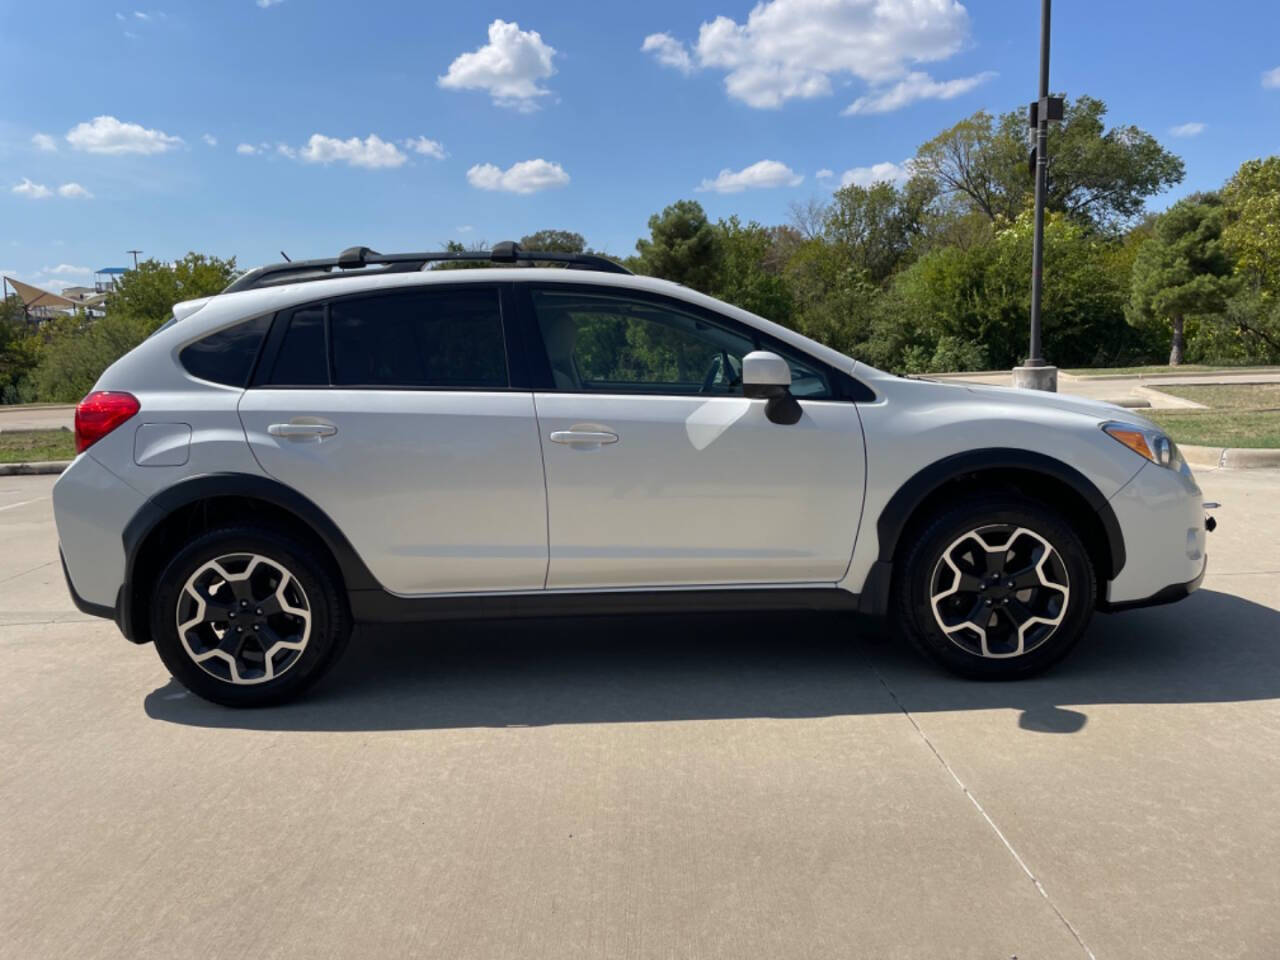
point(439, 491)
point(698, 490)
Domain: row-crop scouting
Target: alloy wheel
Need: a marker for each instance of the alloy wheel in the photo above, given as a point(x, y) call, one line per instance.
point(243, 618)
point(999, 591)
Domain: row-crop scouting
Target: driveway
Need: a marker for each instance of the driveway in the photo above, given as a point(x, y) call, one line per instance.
point(718, 787)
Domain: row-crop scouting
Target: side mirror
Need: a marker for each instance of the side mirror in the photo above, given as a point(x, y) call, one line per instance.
point(766, 376)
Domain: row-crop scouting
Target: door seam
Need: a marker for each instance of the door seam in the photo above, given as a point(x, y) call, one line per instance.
point(546, 493)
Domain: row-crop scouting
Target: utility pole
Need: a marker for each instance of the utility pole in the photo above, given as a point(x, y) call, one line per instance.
point(135, 257)
point(1035, 373)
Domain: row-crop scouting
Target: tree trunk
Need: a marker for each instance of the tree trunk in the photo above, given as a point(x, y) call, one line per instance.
point(1175, 354)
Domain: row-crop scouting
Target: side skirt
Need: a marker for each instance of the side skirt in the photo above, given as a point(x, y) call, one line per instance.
point(378, 606)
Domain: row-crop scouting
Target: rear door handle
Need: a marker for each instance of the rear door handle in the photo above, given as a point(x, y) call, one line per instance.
point(583, 437)
point(302, 431)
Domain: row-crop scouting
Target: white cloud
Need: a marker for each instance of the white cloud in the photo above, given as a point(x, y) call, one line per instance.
point(465, 228)
point(791, 49)
point(141, 16)
point(529, 176)
point(372, 152)
point(45, 142)
point(915, 86)
point(74, 191)
point(120, 16)
point(1192, 129)
point(32, 191)
point(825, 174)
point(428, 148)
point(877, 173)
point(246, 149)
point(1271, 79)
point(509, 67)
point(66, 270)
point(761, 175)
point(210, 139)
point(108, 135)
point(264, 4)
point(669, 52)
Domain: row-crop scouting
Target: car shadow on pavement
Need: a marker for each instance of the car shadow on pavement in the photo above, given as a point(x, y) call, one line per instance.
point(1212, 647)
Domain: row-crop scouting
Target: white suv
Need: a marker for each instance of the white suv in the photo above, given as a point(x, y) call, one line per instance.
point(372, 439)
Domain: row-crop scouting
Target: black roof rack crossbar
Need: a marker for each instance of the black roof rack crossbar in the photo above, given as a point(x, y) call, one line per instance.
point(362, 258)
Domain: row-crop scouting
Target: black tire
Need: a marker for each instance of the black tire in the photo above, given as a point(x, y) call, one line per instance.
point(241, 678)
point(986, 613)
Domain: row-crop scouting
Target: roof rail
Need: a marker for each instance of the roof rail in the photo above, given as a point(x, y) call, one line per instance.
point(361, 259)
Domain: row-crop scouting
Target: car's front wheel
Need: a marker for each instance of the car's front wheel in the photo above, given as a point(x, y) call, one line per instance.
point(995, 587)
point(247, 617)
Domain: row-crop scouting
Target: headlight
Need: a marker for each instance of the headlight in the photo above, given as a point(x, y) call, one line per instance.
point(1151, 444)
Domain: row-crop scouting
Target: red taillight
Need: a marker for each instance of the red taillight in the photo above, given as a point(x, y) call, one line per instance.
point(101, 412)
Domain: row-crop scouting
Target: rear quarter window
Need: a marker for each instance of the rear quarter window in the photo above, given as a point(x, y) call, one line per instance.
point(228, 355)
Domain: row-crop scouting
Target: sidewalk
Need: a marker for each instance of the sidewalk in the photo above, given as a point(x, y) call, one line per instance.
point(1127, 391)
point(37, 416)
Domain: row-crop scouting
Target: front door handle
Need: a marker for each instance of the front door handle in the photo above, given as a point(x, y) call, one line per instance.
point(584, 438)
point(302, 431)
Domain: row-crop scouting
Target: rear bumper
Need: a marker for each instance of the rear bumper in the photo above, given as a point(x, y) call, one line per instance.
point(1170, 594)
point(91, 506)
point(83, 605)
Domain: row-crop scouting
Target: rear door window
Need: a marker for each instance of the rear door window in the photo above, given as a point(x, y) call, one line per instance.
point(446, 339)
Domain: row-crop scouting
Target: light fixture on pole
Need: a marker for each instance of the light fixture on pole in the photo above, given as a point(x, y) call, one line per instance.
point(1035, 373)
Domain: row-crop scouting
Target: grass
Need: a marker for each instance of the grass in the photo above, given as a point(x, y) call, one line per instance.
point(1238, 415)
point(27, 446)
point(1158, 368)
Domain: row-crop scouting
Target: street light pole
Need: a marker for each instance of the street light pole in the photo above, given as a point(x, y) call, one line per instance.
point(135, 257)
point(1035, 373)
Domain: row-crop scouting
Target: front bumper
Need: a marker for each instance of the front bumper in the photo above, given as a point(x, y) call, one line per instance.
point(1161, 517)
point(1170, 594)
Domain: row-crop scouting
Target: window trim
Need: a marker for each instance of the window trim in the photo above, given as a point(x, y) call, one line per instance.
point(844, 388)
point(273, 342)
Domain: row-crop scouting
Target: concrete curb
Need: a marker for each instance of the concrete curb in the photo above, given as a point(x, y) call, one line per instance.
point(1231, 458)
point(29, 469)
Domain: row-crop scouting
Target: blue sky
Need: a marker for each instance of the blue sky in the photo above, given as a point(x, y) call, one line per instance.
point(227, 127)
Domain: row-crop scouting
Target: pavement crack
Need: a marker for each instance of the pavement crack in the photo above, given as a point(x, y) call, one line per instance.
point(987, 817)
point(25, 572)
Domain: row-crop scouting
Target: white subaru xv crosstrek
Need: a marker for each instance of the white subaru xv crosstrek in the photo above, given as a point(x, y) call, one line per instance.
point(371, 439)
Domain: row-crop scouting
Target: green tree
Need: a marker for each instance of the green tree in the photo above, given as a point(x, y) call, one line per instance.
point(878, 225)
point(1183, 270)
point(750, 273)
point(970, 304)
point(833, 301)
point(1097, 176)
point(76, 351)
point(1252, 231)
point(554, 241)
point(150, 291)
point(683, 246)
point(19, 353)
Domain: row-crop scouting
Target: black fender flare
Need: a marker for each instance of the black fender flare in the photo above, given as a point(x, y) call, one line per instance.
point(355, 574)
point(897, 512)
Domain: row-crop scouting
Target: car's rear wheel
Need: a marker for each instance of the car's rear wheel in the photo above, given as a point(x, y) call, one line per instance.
point(995, 587)
point(248, 617)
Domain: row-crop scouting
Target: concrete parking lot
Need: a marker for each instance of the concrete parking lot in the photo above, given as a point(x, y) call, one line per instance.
point(720, 787)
